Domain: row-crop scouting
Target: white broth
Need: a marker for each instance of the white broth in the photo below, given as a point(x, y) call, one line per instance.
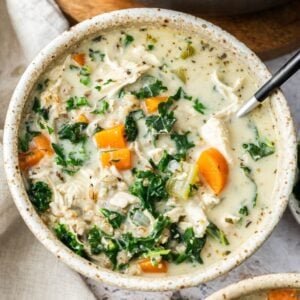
point(133, 156)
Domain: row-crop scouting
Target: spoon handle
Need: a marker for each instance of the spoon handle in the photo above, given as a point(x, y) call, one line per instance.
point(283, 74)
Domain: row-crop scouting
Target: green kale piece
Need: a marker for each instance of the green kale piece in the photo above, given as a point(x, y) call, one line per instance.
point(182, 144)
point(73, 132)
point(114, 218)
point(40, 195)
point(213, 231)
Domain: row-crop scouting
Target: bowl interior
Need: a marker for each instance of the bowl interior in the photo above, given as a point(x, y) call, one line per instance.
point(137, 17)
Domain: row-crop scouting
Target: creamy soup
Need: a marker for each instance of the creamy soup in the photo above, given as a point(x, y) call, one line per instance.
point(133, 156)
point(280, 294)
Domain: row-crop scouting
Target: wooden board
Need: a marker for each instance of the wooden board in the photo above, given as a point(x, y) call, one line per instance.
point(269, 33)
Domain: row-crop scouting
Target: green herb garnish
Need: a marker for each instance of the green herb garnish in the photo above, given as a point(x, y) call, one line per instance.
point(40, 195)
point(76, 102)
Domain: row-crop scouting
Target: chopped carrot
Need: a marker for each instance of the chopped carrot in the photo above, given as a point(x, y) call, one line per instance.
point(147, 266)
point(82, 119)
point(153, 102)
point(111, 137)
point(121, 159)
point(79, 58)
point(29, 159)
point(43, 144)
point(214, 169)
point(287, 294)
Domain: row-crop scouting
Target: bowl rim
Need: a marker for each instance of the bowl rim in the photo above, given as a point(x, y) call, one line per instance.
point(140, 16)
point(257, 284)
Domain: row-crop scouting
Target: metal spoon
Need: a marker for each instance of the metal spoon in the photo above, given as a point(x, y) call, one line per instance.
point(282, 75)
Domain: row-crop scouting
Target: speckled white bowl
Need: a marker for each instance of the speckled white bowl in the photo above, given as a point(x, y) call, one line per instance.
point(258, 284)
point(286, 168)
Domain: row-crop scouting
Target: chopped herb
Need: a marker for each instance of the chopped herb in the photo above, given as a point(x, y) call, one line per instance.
point(199, 106)
point(182, 143)
point(103, 108)
point(244, 211)
point(73, 67)
point(150, 90)
point(44, 112)
point(50, 130)
point(128, 39)
point(188, 51)
point(150, 47)
point(213, 231)
point(151, 39)
point(180, 94)
point(97, 38)
point(121, 93)
point(85, 73)
point(42, 85)
point(149, 188)
point(69, 239)
point(131, 128)
point(114, 218)
point(27, 138)
point(40, 195)
point(98, 88)
point(109, 81)
point(95, 54)
point(76, 102)
point(261, 148)
point(73, 132)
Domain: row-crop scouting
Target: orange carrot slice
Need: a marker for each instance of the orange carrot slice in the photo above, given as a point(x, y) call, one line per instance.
point(111, 138)
point(30, 159)
point(121, 159)
point(79, 58)
point(147, 267)
point(43, 144)
point(153, 102)
point(286, 294)
point(82, 119)
point(214, 169)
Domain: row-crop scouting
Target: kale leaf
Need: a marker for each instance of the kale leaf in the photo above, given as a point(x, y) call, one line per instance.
point(114, 218)
point(244, 211)
point(40, 195)
point(149, 188)
point(213, 231)
point(164, 122)
point(76, 102)
point(110, 248)
point(182, 144)
point(73, 132)
point(194, 246)
point(164, 161)
point(140, 245)
point(27, 138)
point(44, 112)
point(150, 90)
point(248, 173)
point(70, 162)
point(261, 148)
point(69, 239)
point(85, 78)
point(131, 128)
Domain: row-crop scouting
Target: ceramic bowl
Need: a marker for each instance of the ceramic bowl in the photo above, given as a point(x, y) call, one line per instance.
point(257, 284)
point(136, 17)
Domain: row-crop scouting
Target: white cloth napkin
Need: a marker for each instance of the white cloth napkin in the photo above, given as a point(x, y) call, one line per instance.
point(27, 269)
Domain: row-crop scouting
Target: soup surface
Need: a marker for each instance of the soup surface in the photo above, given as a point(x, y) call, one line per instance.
point(132, 154)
